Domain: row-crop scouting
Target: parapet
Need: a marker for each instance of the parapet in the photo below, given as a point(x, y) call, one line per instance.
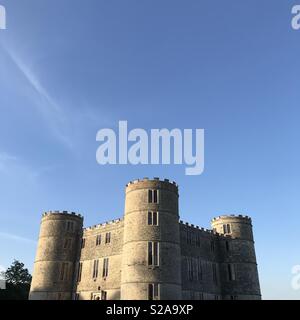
point(208, 232)
point(62, 213)
point(240, 226)
point(190, 225)
point(232, 216)
point(104, 224)
point(154, 179)
point(160, 183)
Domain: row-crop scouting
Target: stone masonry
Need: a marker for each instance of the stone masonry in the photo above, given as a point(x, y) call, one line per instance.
point(149, 254)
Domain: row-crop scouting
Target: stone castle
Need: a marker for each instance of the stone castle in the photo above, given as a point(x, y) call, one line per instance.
point(149, 254)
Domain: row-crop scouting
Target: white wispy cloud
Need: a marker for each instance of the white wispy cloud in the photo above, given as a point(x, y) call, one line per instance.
point(14, 237)
point(52, 112)
point(68, 125)
point(15, 166)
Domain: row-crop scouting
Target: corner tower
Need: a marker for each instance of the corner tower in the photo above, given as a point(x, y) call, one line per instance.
point(238, 265)
point(58, 246)
point(151, 265)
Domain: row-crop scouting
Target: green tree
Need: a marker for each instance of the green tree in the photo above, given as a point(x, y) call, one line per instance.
point(17, 274)
point(18, 281)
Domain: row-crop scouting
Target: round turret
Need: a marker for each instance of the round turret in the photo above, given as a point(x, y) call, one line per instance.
point(58, 246)
point(151, 266)
point(238, 267)
point(239, 226)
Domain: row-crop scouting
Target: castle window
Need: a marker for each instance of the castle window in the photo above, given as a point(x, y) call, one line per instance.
point(153, 253)
point(195, 274)
point(83, 243)
point(95, 269)
point(107, 237)
point(214, 272)
point(67, 243)
point(231, 272)
point(63, 272)
point(153, 291)
point(79, 272)
point(155, 196)
point(189, 268)
point(199, 269)
point(152, 196)
point(105, 268)
point(152, 218)
point(155, 218)
point(69, 226)
point(103, 295)
point(226, 228)
point(98, 240)
point(227, 244)
point(150, 254)
point(149, 218)
point(216, 297)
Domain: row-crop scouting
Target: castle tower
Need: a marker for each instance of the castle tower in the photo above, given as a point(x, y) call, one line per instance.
point(151, 266)
point(238, 267)
point(58, 246)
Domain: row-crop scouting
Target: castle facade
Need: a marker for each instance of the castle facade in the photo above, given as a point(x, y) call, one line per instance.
point(149, 254)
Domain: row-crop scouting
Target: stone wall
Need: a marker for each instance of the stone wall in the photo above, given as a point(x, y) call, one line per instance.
point(193, 263)
point(90, 286)
point(54, 267)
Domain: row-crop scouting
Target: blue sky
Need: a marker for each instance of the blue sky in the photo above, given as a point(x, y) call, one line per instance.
point(69, 68)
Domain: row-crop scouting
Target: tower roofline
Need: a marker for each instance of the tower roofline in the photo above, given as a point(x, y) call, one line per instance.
point(62, 212)
point(154, 179)
point(232, 216)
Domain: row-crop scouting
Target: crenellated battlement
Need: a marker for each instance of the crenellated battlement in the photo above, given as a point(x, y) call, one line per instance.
point(190, 225)
point(58, 212)
point(205, 230)
point(129, 250)
point(149, 180)
point(103, 224)
point(232, 216)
